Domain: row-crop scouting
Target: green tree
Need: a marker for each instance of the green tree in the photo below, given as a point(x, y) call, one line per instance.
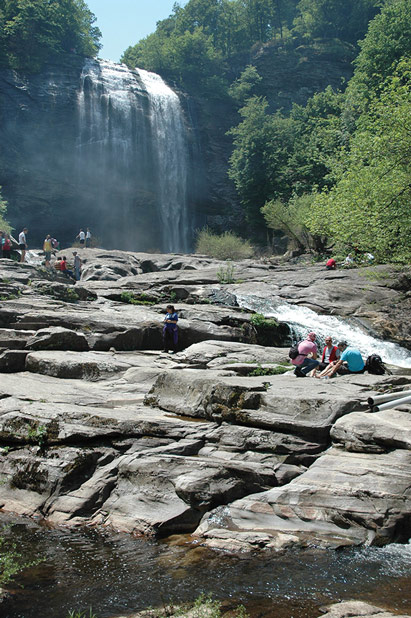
point(320, 133)
point(387, 41)
point(258, 164)
point(369, 205)
point(329, 19)
point(244, 86)
point(33, 31)
point(4, 225)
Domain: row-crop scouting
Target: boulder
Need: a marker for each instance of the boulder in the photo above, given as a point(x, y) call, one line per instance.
point(57, 338)
point(12, 361)
point(357, 609)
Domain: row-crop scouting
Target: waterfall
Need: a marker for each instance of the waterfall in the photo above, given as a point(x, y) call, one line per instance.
point(131, 159)
point(168, 132)
point(302, 320)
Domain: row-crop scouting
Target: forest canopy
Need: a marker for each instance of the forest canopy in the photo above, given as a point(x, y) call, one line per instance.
point(34, 31)
point(207, 39)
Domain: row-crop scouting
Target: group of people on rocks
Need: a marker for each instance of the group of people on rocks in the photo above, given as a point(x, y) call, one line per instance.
point(50, 244)
point(84, 237)
point(351, 260)
point(339, 359)
point(61, 265)
point(5, 245)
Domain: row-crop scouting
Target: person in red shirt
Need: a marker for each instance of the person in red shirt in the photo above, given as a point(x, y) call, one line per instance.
point(6, 246)
point(331, 264)
point(330, 354)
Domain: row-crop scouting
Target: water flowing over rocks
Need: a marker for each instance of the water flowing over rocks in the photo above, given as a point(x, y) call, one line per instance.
point(220, 440)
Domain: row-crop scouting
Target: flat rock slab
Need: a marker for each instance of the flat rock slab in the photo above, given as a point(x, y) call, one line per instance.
point(367, 432)
point(213, 354)
point(358, 609)
point(282, 403)
point(342, 499)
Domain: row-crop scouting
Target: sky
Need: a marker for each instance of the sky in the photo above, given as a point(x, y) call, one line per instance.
point(125, 22)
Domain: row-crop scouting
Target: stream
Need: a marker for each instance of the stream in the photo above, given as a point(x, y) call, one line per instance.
point(118, 574)
point(301, 320)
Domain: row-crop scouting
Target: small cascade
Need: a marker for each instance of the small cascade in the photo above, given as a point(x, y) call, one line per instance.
point(131, 159)
point(168, 134)
point(302, 320)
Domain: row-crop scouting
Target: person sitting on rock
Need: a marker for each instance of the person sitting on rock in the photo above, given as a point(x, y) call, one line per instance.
point(331, 264)
point(350, 361)
point(170, 330)
point(330, 354)
point(303, 364)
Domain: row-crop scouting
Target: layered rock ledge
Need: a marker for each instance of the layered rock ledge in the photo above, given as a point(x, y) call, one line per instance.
point(220, 440)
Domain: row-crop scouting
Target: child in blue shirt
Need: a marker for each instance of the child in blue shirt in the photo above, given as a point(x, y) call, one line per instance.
point(170, 330)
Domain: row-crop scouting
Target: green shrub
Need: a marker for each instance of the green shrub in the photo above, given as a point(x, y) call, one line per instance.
point(227, 246)
point(225, 274)
point(137, 299)
point(259, 321)
point(269, 371)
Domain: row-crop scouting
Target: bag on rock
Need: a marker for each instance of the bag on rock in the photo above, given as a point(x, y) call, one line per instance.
point(375, 365)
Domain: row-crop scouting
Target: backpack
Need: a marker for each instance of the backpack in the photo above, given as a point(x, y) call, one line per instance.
point(374, 365)
point(293, 352)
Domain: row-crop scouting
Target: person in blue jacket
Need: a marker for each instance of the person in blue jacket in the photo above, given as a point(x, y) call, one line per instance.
point(170, 330)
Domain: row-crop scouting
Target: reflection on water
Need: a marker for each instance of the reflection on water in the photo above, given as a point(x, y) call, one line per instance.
point(117, 574)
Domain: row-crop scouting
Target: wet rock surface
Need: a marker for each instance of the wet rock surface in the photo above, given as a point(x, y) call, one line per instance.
point(221, 440)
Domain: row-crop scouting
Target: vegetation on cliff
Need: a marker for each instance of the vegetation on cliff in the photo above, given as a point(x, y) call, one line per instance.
point(4, 225)
point(334, 172)
point(35, 31)
point(206, 43)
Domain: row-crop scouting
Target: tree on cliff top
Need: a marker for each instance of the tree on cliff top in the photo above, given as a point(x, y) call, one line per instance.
point(35, 31)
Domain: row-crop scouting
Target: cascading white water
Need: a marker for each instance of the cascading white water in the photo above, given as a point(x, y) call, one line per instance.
point(172, 159)
point(302, 319)
point(132, 158)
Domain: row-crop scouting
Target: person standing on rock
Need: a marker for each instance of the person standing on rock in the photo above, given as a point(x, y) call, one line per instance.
point(170, 330)
point(6, 246)
point(23, 244)
point(47, 248)
point(88, 237)
point(303, 364)
point(77, 266)
point(82, 237)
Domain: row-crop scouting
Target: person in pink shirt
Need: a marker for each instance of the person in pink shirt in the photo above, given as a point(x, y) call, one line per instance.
point(306, 360)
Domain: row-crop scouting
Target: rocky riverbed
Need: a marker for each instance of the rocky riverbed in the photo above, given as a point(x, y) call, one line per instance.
point(221, 440)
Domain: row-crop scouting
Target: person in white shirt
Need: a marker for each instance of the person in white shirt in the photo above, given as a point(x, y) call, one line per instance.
point(88, 238)
point(23, 244)
point(82, 237)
